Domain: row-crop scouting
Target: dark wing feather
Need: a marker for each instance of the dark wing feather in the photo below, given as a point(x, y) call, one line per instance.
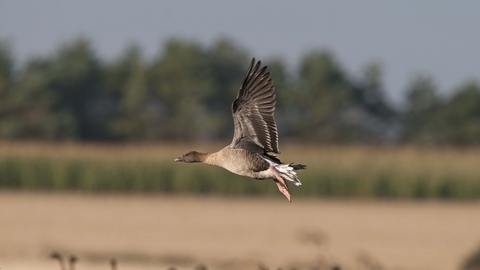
point(255, 127)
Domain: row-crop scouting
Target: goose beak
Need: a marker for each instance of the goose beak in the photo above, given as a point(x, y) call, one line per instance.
point(179, 159)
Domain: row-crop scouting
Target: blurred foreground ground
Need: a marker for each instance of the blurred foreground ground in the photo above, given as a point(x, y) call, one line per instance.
point(154, 232)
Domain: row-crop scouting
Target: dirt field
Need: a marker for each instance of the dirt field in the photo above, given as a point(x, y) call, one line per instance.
point(156, 232)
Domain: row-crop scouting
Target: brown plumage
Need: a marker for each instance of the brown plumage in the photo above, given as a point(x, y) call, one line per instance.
point(255, 127)
point(255, 135)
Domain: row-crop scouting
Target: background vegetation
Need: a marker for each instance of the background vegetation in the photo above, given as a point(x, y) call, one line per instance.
point(334, 171)
point(185, 92)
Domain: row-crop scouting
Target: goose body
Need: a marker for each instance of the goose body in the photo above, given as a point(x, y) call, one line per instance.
point(255, 135)
point(238, 161)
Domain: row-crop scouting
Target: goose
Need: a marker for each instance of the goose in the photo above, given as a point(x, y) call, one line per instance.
point(255, 141)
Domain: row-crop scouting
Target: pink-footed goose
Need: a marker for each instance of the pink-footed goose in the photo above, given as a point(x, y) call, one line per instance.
point(255, 135)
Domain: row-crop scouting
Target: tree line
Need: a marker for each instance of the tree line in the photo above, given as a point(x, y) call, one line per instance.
point(185, 92)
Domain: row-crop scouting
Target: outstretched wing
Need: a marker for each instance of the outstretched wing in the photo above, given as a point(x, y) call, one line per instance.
point(255, 127)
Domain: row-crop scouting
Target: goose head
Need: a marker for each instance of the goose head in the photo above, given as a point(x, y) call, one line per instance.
point(190, 157)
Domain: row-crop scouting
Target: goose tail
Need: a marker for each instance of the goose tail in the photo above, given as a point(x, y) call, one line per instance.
point(287, 172)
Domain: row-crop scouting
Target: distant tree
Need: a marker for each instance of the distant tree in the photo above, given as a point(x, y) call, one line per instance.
point(38, 112)
point(324, 92)
point(6, 80)
point(186, 90)
point(75, 75)
point(372, 93)
point(178, 78)
point(6, 67)
point(137, 114)
point(226, 64)
point(422, 121)
point(58, 97)
point(461, 115)
point(378, 120)
point(29, 105)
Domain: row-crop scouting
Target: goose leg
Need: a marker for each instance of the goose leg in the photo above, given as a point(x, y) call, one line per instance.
point(281, 184)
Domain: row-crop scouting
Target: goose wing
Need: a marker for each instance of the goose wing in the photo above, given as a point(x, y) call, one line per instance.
point(255, 127)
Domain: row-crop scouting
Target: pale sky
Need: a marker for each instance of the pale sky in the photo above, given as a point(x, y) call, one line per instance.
point(438, 38)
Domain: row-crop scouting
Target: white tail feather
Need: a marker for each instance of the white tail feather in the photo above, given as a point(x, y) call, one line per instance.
point(287, 172)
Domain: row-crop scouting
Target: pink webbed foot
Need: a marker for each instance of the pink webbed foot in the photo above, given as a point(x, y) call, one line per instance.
point(281, 184)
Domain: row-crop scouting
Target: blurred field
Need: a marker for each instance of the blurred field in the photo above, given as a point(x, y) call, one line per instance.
point(333, 171)
point(155, 232)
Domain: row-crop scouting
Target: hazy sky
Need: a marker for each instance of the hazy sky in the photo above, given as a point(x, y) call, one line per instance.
point(439, 38)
